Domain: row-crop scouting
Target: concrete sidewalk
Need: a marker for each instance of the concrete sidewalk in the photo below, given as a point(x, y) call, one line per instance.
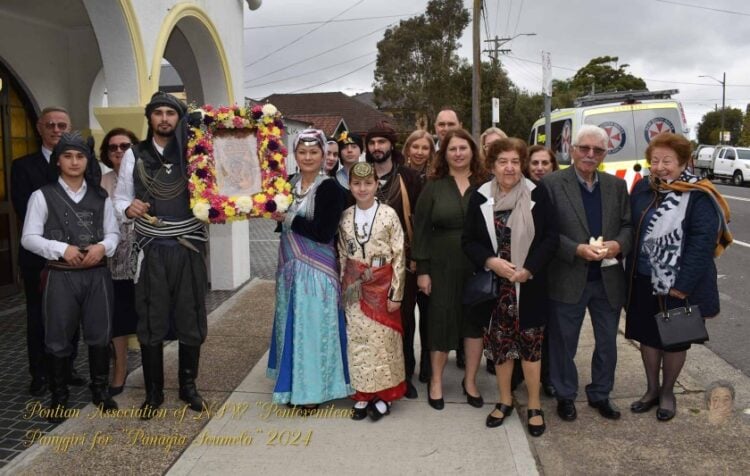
point(250, 436)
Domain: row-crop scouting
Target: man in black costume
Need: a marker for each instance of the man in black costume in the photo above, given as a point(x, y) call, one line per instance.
point(171, 275)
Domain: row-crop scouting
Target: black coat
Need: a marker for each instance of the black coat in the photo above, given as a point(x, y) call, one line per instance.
point(27, 175)
point(476, 243)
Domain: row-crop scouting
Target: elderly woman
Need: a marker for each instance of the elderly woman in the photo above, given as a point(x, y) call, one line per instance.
point(679, 220)
point(542, 161)
point(442, 268)
point(125, 320)
point(511, 229)
point(419, 153)
point(307, 358)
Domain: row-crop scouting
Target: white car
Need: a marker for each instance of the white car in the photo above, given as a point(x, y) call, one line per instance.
point(732, 163)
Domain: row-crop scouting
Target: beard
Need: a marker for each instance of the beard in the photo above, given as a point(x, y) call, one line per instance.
point(382, 158)
point(167, 133)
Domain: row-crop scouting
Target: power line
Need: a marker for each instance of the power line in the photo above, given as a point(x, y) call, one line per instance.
point(701, 7)
point(304, 35)
point(507, 18)
point(497, 14)
point(341, 20)
point(518, 18)
point(334, 79)
point(310, 58)
point(306, 73)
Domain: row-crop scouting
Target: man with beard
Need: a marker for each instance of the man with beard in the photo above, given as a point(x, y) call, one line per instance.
point(171, 277)
point(398, 187)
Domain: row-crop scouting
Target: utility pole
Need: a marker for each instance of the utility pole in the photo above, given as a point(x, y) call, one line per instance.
point(476, 80)
point(723, 82)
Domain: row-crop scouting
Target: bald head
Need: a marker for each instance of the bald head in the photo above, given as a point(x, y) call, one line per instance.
point(446, 120)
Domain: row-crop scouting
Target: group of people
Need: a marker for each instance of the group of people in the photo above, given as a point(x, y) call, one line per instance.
point(363, 245)
point(107, 256)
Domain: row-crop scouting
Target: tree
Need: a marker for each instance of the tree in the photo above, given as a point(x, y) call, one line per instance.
point(708, 128)
point(417, 60)
point(597, 76)
point(745, 134)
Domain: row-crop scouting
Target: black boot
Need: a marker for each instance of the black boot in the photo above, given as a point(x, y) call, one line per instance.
point(152, 357)
point(99, 372)
point(189, 357)
point(57, 368)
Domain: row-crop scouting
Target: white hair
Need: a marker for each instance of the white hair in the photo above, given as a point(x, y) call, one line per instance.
point(590, 130)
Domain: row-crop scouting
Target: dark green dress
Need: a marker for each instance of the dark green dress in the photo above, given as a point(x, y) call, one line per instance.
point(438, 225)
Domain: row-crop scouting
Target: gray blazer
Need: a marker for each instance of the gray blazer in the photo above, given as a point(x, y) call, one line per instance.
point(567, 272)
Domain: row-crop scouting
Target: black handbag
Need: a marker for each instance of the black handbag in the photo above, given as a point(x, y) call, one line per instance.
point(681, 325)
point(482, 286)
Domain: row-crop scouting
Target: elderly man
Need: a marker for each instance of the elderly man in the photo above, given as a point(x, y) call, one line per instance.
point(172, 279)
point(28, 174)
point(446, 120)
point(587, 276)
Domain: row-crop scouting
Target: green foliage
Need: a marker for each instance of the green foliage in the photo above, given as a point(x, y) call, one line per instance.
point(417, 59)
point(597, 76)
point(745, 134)
point(708, 128)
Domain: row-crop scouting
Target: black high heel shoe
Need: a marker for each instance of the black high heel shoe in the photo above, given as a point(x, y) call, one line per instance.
point(535, 430)
point(436, 403)
point(475, 402)
point(118, 390)
point(494, 422)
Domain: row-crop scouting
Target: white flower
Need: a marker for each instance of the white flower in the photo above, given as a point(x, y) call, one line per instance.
point(282, 202)
point(200, 210)
point(269, 110)
point(244, 203)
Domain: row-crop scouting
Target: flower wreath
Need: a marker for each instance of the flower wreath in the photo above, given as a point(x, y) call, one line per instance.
point(207, 203)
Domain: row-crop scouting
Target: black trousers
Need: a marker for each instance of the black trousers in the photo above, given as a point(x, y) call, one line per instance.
point(34, 321)
point(172, 287)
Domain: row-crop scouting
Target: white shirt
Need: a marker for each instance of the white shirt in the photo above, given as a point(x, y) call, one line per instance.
point(125, 192)
point(47, 153)
point(33, 238)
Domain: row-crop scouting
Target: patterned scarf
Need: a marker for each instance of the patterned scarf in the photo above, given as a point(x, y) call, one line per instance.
point(663, 240)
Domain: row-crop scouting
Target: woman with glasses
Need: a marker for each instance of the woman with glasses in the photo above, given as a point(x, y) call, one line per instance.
point(112, 149)
point(678, 220)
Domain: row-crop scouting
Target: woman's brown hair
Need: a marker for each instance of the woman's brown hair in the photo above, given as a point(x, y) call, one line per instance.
point(441, 169)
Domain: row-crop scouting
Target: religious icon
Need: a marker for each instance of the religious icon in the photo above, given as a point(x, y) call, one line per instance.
point(720, 401)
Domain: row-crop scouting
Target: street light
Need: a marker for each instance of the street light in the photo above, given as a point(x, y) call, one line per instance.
point(723, 83)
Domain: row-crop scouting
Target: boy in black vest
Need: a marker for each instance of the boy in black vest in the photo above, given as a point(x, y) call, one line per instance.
point(71, 223)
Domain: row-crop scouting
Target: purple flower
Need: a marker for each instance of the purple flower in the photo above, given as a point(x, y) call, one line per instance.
point(213, 213)
point(273, 165)
point(273, 145)
point(201, 173)
point(278, 123)
point(199, 149)
point(270, 206)
point(257, 114)
point(207, 120)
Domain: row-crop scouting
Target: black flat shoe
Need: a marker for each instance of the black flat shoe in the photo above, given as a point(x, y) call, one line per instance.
point(359, 413)
point(662, 414)
point(475, 402)
point(436, 403)
point(494, 422)
point(535, 430)
point(640, 406)
point(374, 413)
point(606, 409)
point(566, 409)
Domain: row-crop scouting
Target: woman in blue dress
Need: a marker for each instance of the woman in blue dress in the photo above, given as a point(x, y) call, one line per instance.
point(307, 358)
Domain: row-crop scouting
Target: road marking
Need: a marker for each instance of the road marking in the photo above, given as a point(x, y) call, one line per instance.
point(741, 243)
point(742, 199)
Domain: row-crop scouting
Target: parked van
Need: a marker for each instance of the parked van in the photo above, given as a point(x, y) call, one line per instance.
point(630, 119)
point(703, 163)
point(732, 163)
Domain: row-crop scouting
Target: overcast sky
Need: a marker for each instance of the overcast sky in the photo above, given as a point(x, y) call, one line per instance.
point(667, 43)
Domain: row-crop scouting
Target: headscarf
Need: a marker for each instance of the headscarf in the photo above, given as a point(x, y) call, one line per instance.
point(306, 206)
point(74, 141)
point(312, 135)
point(160, 98)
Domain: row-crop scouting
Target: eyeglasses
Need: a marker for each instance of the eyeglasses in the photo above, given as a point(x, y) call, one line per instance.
point(60, 125)
point(586, 150)
point(123, 147)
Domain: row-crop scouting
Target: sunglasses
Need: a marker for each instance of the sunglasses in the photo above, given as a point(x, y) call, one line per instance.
point(123, 147)
point(60, 125)
point(585, 150)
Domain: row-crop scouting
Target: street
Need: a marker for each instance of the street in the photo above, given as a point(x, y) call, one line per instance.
point(730, 331)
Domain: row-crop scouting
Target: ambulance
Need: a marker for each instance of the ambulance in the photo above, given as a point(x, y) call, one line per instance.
point(630, 119)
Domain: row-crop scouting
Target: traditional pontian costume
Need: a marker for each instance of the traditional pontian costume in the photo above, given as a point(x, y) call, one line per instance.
point(59, 217)
point(372, 262)
point(307, 358)
point(171, 276)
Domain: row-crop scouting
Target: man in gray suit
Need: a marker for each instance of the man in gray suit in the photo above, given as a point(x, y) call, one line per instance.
point(583, 275)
